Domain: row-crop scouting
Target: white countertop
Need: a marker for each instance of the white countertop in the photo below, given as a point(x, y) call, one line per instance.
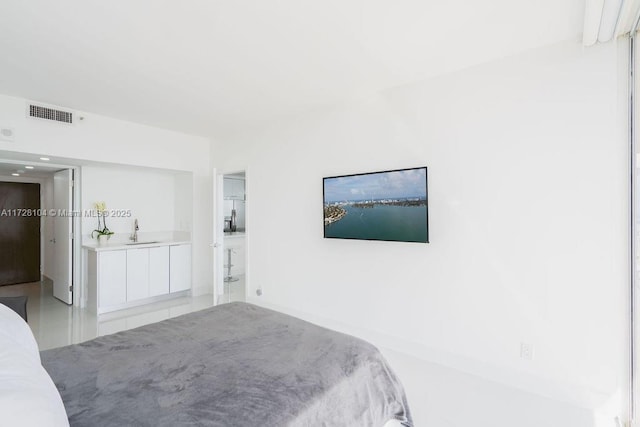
point(146, 240)
point(114, 246)
point(234, 234)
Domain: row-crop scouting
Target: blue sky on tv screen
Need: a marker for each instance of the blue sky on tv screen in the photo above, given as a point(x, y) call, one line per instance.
point(402, 184)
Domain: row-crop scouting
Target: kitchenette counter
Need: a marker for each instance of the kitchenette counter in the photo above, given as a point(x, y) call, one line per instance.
point(234, 234)
point(124, 274)
point(145, 240)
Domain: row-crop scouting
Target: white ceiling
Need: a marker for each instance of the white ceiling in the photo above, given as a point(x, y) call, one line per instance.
point(16, 162)
point(7, 168)
point(208, 66)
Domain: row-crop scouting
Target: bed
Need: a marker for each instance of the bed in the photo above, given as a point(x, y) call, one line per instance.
point(235, 364)
point(28, 397)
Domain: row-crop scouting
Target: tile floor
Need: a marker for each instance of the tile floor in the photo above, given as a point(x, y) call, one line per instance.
point(234, 291)
point(55, 324)
point(440, 396)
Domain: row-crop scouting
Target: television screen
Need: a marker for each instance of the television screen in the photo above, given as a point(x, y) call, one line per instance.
point(390, 205)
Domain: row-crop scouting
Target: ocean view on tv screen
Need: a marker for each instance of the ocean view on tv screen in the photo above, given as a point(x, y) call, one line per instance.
point(390, 205)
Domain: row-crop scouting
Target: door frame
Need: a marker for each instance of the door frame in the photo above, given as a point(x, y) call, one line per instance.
point(218, 227)
point(77, 276)
point(78, 293)
point(63, 237)
point(217, 234)
point(79, 299)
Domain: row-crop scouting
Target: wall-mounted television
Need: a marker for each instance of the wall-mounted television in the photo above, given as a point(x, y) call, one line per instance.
point(389, 205)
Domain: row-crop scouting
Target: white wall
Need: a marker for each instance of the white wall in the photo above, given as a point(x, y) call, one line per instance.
point(103, 139)
point(183, 203)
point(149, 195)
point(527, 186)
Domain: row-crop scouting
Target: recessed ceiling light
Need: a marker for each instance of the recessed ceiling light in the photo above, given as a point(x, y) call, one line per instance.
point(46, 159)
point(15, 174)
point(28, 167)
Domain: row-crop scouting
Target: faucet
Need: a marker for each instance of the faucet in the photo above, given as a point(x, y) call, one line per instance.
point(134, 236)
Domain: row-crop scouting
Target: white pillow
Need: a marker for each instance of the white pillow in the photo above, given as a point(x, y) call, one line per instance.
point(28, 397)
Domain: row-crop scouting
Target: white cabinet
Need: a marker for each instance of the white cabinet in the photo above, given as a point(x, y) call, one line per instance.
point(233, 189)
point(112, 278)
point(121, 278)
point(158, 271)
point(137, 274)
point(179, 268)
point(147, 272)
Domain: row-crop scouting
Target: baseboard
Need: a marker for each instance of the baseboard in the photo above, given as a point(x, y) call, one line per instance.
point(197, 291)
point(599, 402)
point(635, 423)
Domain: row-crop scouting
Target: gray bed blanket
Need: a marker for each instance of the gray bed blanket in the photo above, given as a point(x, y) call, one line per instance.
point(232, 365)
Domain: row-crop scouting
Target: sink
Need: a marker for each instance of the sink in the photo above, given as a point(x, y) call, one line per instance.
point(143, 243)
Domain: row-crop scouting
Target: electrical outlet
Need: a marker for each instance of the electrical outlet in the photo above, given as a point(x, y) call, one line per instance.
point(526, 351)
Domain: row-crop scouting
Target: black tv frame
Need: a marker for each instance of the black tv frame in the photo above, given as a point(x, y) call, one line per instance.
point(373, 203)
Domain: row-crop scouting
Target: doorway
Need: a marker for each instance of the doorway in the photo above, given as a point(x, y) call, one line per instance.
point(19, 232)
point(54, 254)
point(230, 237)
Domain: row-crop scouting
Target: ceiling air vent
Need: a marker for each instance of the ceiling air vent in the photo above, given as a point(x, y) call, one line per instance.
point(48, 113)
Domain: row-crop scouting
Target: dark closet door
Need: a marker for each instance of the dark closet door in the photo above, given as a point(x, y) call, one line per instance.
point(19, 233)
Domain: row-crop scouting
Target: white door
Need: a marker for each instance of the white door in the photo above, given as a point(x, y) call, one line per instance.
point(62, 235)
point(218, 235)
